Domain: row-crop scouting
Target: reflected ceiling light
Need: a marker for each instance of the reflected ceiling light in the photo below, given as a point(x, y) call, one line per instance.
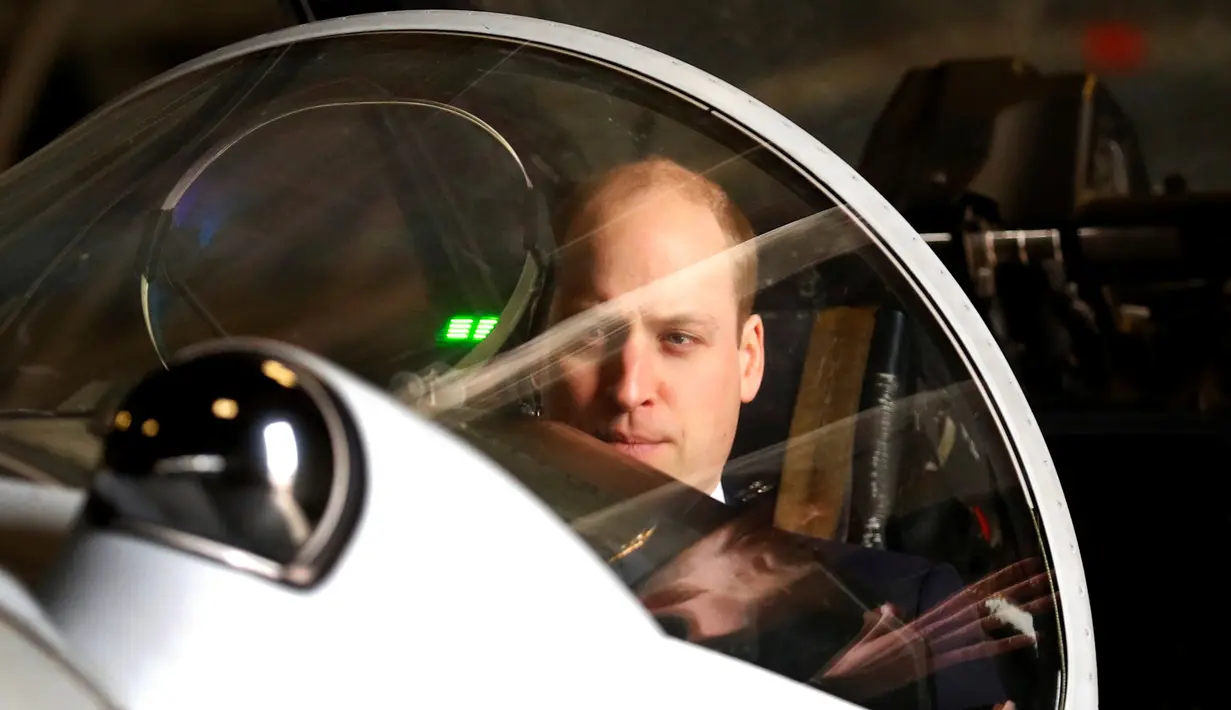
point(199, 463)
point(123, 420)
point(225, 408)
point(281, 454)
point(279, 373)
point(149, 427)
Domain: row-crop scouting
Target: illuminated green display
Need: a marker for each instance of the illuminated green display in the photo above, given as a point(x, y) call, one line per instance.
point(468, 329)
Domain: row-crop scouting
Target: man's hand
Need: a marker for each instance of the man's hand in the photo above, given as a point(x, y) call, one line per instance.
point(746, 574)
point(889, 654)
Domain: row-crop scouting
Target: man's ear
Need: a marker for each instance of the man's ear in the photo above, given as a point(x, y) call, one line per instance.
point(751, 357)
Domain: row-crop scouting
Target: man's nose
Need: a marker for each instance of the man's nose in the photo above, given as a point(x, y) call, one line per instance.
point(634, 372)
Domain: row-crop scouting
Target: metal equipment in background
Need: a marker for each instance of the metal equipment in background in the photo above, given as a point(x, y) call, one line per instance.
point(1111, 296)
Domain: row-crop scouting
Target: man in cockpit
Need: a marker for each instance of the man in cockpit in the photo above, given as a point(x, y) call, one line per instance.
point(666, 387)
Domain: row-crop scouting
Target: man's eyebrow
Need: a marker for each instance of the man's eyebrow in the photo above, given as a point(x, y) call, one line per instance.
point(687, 321)
point(695, 321)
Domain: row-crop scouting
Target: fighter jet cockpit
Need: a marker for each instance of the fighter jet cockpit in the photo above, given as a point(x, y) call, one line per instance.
point(457, 353)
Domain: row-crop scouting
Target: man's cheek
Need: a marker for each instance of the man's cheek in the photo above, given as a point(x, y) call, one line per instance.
point(572, 388)
point(575, 369)
point(700, 382)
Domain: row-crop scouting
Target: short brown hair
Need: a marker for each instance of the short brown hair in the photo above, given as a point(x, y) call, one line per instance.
point(641, 176)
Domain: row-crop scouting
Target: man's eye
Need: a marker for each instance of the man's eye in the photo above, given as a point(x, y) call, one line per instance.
point(680, 340)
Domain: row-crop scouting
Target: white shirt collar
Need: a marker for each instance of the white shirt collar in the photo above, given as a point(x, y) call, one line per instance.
point(716, 494)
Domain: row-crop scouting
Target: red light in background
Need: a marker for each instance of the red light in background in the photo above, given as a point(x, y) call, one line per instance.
point(985, 528)
point(1113, 47)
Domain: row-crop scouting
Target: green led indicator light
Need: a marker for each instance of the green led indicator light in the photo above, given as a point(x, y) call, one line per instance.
point(468, 329)
point(484, 327)
point(459, 329)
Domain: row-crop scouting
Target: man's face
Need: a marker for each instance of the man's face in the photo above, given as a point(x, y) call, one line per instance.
point(666, 388)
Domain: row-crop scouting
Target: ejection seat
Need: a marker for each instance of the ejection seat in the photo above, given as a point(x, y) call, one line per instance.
point(800, 436)
point(832, 433)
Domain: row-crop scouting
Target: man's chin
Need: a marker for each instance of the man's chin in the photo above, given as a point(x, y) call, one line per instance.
point(662, 458)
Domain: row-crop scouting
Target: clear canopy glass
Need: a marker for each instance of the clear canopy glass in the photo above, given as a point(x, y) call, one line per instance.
point(398, 202)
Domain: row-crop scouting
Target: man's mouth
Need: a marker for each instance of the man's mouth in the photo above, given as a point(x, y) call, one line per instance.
point(636, 446)
point(639, 451)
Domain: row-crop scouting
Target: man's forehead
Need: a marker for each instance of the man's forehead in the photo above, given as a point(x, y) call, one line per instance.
point(699, 312)
point(684, 300)
point(652, 272)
